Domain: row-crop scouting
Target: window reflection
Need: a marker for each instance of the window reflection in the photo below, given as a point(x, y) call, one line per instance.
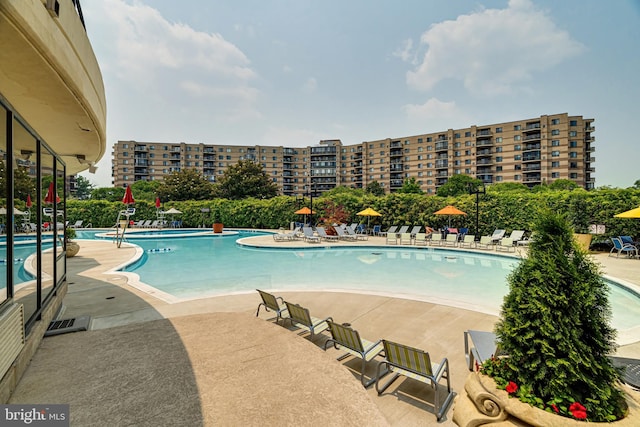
point(50, 220)
point(3, 202)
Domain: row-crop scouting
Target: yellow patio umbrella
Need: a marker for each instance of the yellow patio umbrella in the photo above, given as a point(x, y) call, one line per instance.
point(633, 213)
point(368, 213)
point(449, 210)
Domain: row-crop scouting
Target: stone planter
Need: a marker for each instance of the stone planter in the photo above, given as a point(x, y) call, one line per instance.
point(217, 227)
point(72, 249)
point(584, 240)
point(481, 402)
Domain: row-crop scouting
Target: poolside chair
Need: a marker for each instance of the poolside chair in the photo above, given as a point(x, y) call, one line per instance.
point(469, 241)
point(451, 240)
point(497, 235)
point(436, 238)
point(375, 231)
point(391, 239)
point(284, 237)
point(322, 233)
point(416, 364)
point(420, 240)
point(485, 242)
point(624, 248)
point(300, 317)
point(415, 230)
point(506, 244)
point(402, 229)
point(391, 230)
point(342, 234)
point(516, 236)
point(274, 303)
point(347, 339)
point(405, 239)
point(309, 236)
point(350, 231)
point(78, 224)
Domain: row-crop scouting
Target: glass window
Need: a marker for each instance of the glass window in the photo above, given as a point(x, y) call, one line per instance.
point(573, 144)
point(555, 164)
point(517, 157)
point(498, 130)
point(573, 123)
point(499, 139)
point(555, 132)
point(517, 127)
point(517, 138)
point(573, 133)
point(573, 154)
point(555, 143)
point(555, 121)
point(555, 154)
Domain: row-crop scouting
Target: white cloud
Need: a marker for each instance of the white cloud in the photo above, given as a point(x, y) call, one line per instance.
point(433, 108)
point(149, 51)
point(406, 51)
point(310, 85)
point(492, 51)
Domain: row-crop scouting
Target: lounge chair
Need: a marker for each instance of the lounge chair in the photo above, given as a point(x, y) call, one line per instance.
point(416, 364)
point(506, 244)
point(451, 240)
point(405, 239)
point(375, 231)
point(350, 231)
point(309, 236)
point(415, 230)
point(342, 234)
point(300, 317)
point(284, 237)
point(322, 233)
point(624, 248)
point(436, 238)
point(469, 241)
point(274, 303)
point(347, 339)
point(391, 239)
point(78, 224)
point(420, 240)
point(516, 236)
point(402, 229)
point(497, 235)
point(485, 242)
point(391, 230)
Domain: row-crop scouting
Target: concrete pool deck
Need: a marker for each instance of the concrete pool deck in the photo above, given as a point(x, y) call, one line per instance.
point(212, 362)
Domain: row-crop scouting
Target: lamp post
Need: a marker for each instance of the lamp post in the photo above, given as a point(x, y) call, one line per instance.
point(311, 201)
point(474, 189)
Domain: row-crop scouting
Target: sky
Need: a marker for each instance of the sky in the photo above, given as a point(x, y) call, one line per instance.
point(295, 72)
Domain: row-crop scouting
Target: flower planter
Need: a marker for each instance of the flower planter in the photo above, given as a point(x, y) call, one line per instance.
point(481, 402)
point(217, 227)
point(72, 249)
point(584, 240)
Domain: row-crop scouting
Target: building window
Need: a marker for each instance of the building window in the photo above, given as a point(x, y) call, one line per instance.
point(573, 144)
point(555, 121)
point(498, 149)
point(456, 135)
point(517, 157)
point(573, 133)
point(517, 138)
point(555, 143)
point(573, 123)
point(555, 132)
point(517, 147)
point(573, 155)
point(498, 130)
point(467, 134)
point(499, 139)
point(516, 177)
point(555, 154)
point(555, 174)
point(498, 159)
point(498, 168)
point(573, 175)
point(555, 164)
point(125, 145)
point(517, 127)
point(498, 179)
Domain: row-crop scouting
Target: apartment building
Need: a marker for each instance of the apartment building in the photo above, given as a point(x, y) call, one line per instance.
point(530, 151)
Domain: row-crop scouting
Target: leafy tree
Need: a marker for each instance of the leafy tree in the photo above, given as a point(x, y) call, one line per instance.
point(246, 179)
point(505, 187)
point(83, 188)
point(185, 184)
point(145, 190)
point(374, 188)
point(23, 184)
point(554, 326)
point(636, 185)
point(457, 185)
point(110, 194)
point(410, 186)
point(563, 184)
point(341, 190)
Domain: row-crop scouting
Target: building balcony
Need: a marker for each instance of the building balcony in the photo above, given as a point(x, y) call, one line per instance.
point(442, 164)
point(531, 158)
point(485, 161)
point(532, 126)
point(440, 146)
point(530, 147)
point(532, 136)
point(484, 152)
point(51, 76)
point(484, 142)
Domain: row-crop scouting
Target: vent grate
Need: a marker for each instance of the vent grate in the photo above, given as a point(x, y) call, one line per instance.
point(64, 326)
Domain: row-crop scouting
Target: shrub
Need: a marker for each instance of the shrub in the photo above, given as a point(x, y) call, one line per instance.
point(554, 326)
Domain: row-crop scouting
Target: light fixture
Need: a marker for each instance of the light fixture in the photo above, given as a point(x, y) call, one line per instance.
point(83, 161)
point(25, 154)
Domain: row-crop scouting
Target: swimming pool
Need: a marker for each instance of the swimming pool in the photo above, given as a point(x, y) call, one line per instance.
point(198, 267)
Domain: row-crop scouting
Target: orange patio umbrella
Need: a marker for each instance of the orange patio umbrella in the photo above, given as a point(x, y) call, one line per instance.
point(449, 210)
point(304, 211)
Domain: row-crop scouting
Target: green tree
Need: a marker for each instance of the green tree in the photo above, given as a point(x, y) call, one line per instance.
point(636, 184)
point(410, 186)
point(83, 188)
point(374, 188)
point(341, 190)
point(145, 190)
point(110, 194)
point(507, 187)
point(246, 179)
point(457, 185)
point(563, 184)
point(554, 325)
point(185, 184)
point(23, 184)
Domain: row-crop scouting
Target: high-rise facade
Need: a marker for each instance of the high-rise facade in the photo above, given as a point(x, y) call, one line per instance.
point(530, 151)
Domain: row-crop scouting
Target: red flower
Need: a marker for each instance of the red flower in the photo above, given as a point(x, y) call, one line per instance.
point(555, 408)
point(511, 387)
point(578, 411)
point(477, 366)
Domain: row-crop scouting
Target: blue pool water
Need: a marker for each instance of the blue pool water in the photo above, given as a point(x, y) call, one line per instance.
point(189, 268)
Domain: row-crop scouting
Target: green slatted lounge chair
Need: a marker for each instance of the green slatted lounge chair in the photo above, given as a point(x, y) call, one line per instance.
point(274, 303)
point(416, 364)
point(469, 241)
point(405, 239)
point(345, 338)
point(436, 239)
point(300, 317)
point(421, 239)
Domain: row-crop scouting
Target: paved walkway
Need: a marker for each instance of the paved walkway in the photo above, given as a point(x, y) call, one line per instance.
point(212, 362)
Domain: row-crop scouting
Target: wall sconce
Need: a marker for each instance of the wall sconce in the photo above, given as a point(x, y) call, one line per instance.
point(25, 154)
point(83, 161)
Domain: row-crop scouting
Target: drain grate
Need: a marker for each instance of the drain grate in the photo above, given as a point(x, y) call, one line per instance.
point(64, 326)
